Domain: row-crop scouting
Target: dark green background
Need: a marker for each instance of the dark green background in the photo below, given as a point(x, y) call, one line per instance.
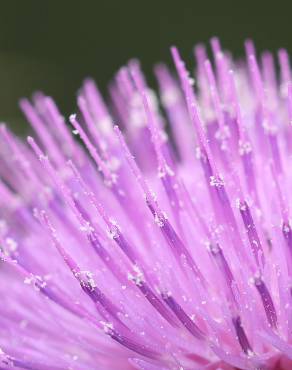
point(54, 45)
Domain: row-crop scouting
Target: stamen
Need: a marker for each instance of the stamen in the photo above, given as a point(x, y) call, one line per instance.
point(255, 243)
point(90, 231)
point(267, 129)
point(215, 97)
point(70, 147)
point(42, 132)
point(284, 69)
point(167, 230)
point(155, 132)
point(267, 301)
point(287, 232)
point(193, 108)
point(156, 302)
point(132, 345)
point(97, 108)
point(92, 150)
point(92, 127)
point(87, 284)
point(230, 283)
point(241, 336)
point(245, 149)
point(222, 69)
point(187, 322)
point(114, 229)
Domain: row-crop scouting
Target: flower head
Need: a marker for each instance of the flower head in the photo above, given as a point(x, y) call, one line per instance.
point(160, 237)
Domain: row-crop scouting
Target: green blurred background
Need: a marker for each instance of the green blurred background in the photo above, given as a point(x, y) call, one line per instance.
point(53, 45)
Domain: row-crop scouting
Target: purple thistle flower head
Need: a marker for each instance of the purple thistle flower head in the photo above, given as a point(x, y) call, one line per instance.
point(160, 238)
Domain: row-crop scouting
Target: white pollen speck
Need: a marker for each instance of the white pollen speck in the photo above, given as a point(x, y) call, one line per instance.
point(191, 81)
point(216, 181)
point(72, 117)
point(86, 279)
point(159, 220)
point(107, 326)
point(244, 147)
point(86, 228)
point(11, 244)
point(36, 281)
point(137, 277)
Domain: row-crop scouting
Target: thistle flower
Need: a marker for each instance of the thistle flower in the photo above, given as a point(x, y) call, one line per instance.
point(160, 237)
